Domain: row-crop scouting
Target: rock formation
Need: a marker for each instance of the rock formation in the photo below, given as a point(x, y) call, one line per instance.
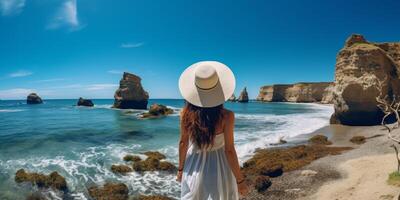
point(273, 162)
point(319, 140)
point(262, 183)
point(85, 102)
point(157, 110)
point(151, 197)
point(131, 158)
point(130, 94)
point(232, 98)
point(243, 97)
point(298, 92)
point(110, 191)
point(53, 180)
point(153, 163)
point(121, 169)
point(33, 98)
point(360, 66)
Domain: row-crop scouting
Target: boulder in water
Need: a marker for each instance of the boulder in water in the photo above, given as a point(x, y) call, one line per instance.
point(121, 169)
point(152, 197)
point(36, 196)
point(155, 154)
point(85, 102)
point(53, 180)
point(153, 163)
point(157, 110)
point(33, 98)
point(110, 191)
point(130, 94)
point(132, 158)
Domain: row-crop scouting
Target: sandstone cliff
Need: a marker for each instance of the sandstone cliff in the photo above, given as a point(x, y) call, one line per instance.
point(130, 94)
point(360, 65)
point(298, 92)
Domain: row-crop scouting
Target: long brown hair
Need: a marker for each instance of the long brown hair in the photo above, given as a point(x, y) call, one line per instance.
point(201, 123)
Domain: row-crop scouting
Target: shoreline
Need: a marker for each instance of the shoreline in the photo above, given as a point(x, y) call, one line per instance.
point(335, 174)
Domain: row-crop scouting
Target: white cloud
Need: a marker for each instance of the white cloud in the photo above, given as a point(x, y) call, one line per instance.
point(105, 86)
point(132, 45)
point(115, 72)
point(49, 80)
point(16, 93)
point(66, 16)
point(71, 86)
point(11, 7)
point(20, 73)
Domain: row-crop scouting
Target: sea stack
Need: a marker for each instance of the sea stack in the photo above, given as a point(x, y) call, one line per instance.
point(85, 102)
point(243, 97)
point(130, 94)
point(33, 98)
point(360, 66)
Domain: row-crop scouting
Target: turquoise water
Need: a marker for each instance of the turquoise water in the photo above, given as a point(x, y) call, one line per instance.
point(82, 143)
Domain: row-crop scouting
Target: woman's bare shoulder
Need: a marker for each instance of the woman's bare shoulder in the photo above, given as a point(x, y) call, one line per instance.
point(228, 114)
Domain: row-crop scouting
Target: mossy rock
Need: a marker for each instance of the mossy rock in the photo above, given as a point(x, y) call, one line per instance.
point(358, 139)
point(132, 158)
point(272, 170)
point(152, 197)
point(269, 161)
point(262, 183)
point(167, 166)
point(394, 179)
point(157, 110)
point(110, 191)
point(150, 164)
point(36, 196)
point(153, 163)
point(121, 169)
point(319, 140)
point(155, 154)
point(53, 180)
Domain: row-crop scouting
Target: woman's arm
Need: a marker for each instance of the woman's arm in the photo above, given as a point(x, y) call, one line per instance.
point(183, 146)
point(230, 150)
point(231, 155)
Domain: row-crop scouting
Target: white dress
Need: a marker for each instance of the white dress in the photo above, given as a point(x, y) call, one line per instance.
point(207, 174)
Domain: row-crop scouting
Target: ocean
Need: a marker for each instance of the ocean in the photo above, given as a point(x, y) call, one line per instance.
point(82, 143)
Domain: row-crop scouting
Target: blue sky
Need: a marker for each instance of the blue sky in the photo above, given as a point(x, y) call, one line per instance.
point(68, 48)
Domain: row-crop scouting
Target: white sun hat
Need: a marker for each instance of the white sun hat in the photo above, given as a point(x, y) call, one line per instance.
point(207, 84)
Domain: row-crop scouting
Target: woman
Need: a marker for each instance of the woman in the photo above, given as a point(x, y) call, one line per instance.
point(208, 164)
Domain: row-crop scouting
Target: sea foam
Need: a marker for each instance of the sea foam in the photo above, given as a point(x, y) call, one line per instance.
point(10, 110)
point(268, 128)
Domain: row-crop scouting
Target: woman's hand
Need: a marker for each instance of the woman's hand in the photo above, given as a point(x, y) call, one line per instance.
point(179, 176)
point(243, 189)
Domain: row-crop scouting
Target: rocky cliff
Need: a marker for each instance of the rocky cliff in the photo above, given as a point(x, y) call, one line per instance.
point(360, 65)
point(298, 92)
point(130, 94)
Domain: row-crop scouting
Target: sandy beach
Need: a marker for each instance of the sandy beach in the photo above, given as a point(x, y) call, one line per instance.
point(360, 173)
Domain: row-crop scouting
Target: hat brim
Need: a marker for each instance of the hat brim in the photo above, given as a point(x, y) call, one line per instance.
point(212, 97)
